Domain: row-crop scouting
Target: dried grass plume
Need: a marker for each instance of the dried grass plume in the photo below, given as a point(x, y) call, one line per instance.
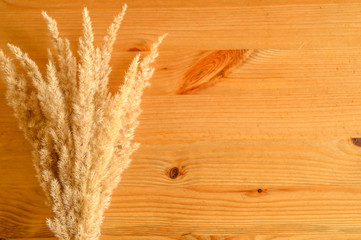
point(82, 135)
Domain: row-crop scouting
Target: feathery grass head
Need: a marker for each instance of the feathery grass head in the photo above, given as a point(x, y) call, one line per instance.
point(82, 135)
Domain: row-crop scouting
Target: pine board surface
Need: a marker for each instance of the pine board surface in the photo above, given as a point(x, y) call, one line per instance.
point(257, 103)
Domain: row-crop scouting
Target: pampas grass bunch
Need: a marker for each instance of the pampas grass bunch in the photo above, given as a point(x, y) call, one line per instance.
point(81, 134)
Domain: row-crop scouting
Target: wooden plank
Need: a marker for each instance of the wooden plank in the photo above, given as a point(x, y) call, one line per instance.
point(173, 210)
point(189, 236)
point(270, 72)
point(240, 237)
point(166, 3)
point(198, 117)
point(306, 24)
point(217, 163)
point(224, 187)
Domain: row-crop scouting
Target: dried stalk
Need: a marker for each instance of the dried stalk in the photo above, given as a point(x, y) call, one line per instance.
point(82, 136)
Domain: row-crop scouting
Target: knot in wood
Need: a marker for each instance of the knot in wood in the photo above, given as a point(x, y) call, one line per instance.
point(356, 141)
point(173, 172)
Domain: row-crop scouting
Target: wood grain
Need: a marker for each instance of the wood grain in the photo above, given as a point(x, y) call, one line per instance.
point(238, 25)
point(221, 237)
point(273, 93)
point(207, 71)
point(222, 163)
point(266, 72)
point(260, 186)
point(254, 103)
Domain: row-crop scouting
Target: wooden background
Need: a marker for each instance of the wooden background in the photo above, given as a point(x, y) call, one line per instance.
point(256, 103)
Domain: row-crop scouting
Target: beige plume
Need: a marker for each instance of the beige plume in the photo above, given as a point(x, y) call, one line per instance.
point(82, 136)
